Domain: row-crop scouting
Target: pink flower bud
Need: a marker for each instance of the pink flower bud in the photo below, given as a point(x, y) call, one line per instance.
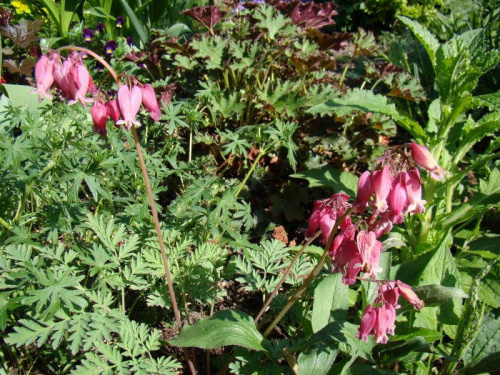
point(326, 224)
point(43, 76)
point(388, 293)
point(425, 159)
point(100, 117)
point(367, 323)
point(150, 102)
point(409, 295)
point(81, 78)
point(382, 183)
point(113, 111)
point(129, 102)
point(365, 190)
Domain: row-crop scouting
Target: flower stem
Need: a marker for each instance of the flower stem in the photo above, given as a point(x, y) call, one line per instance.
point(285, 274)
point(256, 161)
point(154, 212)
point(309, 278)
point(95, 56)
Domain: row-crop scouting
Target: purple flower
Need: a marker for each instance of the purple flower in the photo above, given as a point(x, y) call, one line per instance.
point(98, 68)
point(110, 47)
point(119, 22)
point(130, 42)
point(87, 35)
point(99, 28)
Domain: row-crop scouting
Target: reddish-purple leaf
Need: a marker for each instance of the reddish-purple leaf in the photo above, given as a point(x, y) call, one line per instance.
point(309, 15)
point(207, 15)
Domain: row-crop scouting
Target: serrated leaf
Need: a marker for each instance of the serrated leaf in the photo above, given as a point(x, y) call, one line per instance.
point(487, 198)
point(330, 178)
point(227, 327)
point(486, 347)
point(424, 36)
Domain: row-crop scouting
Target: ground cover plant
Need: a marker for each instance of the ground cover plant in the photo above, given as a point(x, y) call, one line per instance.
point(245, 189)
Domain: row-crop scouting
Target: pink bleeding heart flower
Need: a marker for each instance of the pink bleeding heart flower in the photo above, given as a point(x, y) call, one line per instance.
point(129, 102)
point(81, 79)
point(367, 323)
point(413, 188)
point(150, 102)
point(369, 249)
point(113, 110)
point(388, 293)
point(44, 76)
point(398, 199)
point(384, 324)
point(99, 115)
point(365, 190)
point(426, 160)
point(407, 292)
point(382, 183)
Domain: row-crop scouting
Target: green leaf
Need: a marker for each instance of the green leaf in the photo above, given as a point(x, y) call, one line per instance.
point(485, 349)
point(435, 267)
point(424, 36)
point(227, 327)
point(343, 334)
point(368, 101)
point(331, 294)
point(178, 29)
point(396, 350)
point(138, 25)
point(330, 178)
point(487, 125)
point(316, 360)
point(487, 198)
point(357, 369)
point(23, 96)
point(435, 295)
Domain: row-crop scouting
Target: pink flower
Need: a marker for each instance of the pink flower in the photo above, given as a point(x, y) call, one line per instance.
point(367, 323)
point(369, 249)
point(365, 190)
point(43, 76)
point(381, 182)
point(408, 294)
point(113, 110)
point(384, 323)
point(414, 192)
point(388, 293)
point(326, 224)
point(79, 87)
point(129, 102)
point(397, 199)
point(150, 102)
point(425, 159)
point(99, 115)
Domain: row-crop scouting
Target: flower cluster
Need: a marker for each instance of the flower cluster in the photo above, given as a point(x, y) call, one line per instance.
point(71, 77)
point(384, 196)
point(380, 320)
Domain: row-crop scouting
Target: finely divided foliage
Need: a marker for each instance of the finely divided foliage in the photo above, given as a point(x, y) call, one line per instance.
point(250, 113)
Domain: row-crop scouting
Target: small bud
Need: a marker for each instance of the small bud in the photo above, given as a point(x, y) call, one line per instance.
point(407, 292)
point(426, 160)
point(100, 117)
point(150, 102)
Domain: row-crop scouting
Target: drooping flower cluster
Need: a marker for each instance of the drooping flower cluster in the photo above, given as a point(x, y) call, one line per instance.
point(384, 197)
point(71, 77)
point(380, 320)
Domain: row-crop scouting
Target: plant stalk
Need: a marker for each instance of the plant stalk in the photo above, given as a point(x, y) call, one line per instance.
point(154, 212)
point(256, 161)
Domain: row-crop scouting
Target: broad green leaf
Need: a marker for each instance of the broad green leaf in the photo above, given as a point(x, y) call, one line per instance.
point(435, 295)
point(368, 101)
point(484, 352)
point(424, 36)
point(178, 29)
point(316, 360)
point(487, 246)
point(344, 335)
point(492, 101)
point(99, 13)
point(487, 125)
point(429, 335)
point(138, 25)
point(357, 368)
point(330, 178)
point(434, 267)
point(227, 327)
point(487, 198)
point(396, 350)
point(23, 96)
point(331, 294)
